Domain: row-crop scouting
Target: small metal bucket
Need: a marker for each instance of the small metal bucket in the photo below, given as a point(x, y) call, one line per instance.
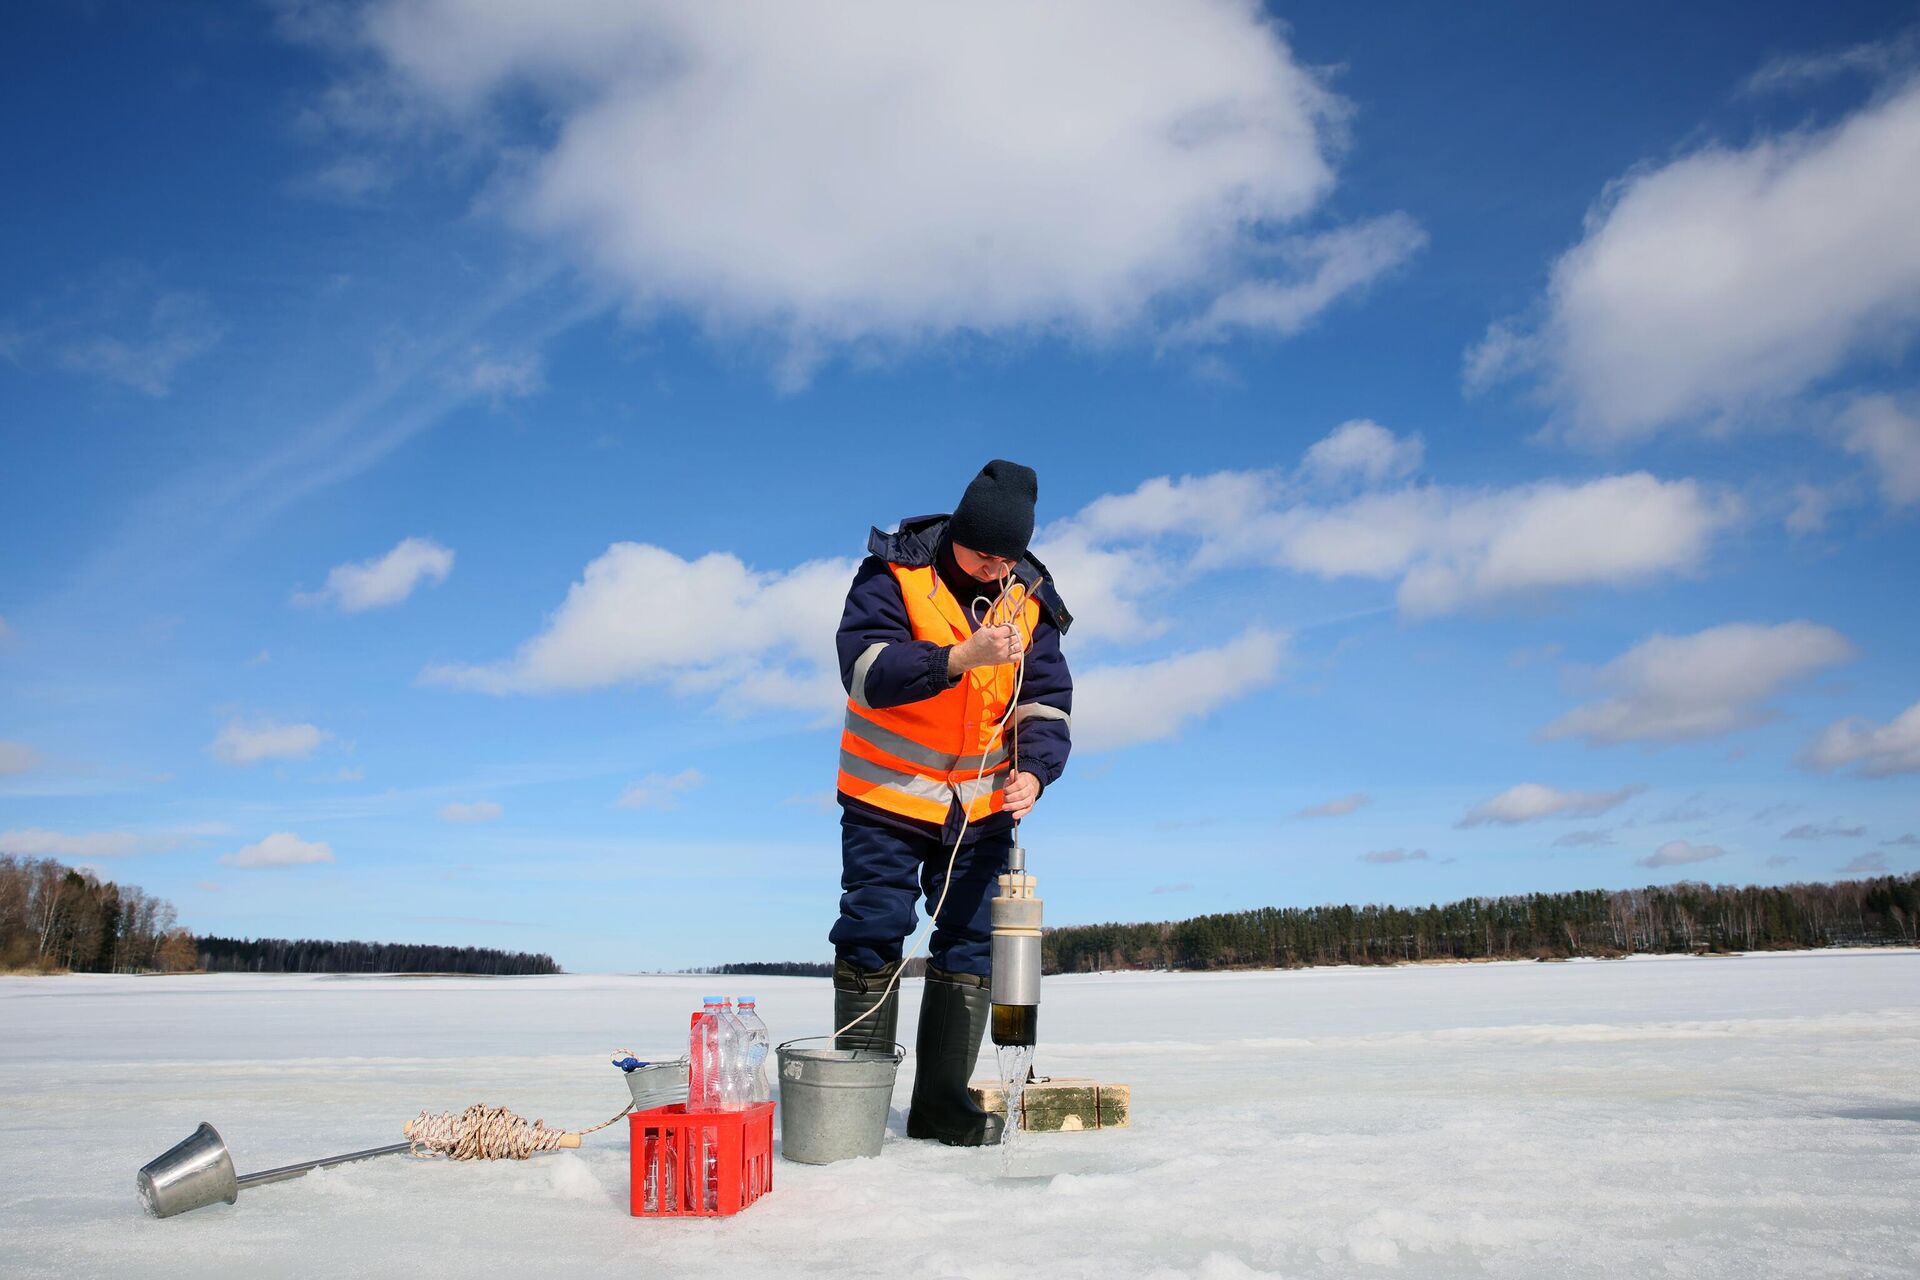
point(833, 1102)
point(658, 1084)
point(194, 1173)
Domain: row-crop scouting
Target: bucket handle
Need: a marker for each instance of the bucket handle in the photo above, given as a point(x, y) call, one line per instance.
point(826, 1042)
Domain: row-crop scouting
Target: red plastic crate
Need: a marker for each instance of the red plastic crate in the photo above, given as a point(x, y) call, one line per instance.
point(667, 1160)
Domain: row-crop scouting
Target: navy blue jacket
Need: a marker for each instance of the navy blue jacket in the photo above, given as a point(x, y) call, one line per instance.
point(909, 670)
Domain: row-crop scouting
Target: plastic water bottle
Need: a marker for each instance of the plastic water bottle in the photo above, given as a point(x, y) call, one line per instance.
point(703, 1058)
point(705, 1073)
point(759, 1088)
point(661, 1194)
point(733, 1057)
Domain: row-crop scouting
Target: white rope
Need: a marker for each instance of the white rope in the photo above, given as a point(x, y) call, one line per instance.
point(481, 1133)
point(994, 608)
point(489, 1133)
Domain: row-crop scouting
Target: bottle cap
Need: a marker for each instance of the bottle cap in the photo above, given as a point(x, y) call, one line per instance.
point(709, 999)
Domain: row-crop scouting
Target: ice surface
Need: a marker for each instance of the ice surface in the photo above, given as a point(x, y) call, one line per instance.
point(1737, 1117)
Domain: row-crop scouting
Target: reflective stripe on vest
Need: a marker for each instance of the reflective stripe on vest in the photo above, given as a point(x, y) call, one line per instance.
point(916, 759)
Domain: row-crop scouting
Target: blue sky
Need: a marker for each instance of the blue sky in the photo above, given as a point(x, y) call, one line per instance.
point(1482, 449)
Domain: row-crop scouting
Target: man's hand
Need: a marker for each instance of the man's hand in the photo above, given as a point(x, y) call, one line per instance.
point(1022, 790)
point(988, 647)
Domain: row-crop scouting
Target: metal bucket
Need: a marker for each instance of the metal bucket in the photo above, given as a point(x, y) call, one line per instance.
point(194, 1173)
point(833, 1102)
point(658, 1084)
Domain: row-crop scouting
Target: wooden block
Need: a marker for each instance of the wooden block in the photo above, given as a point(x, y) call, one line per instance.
point(1060, 1105)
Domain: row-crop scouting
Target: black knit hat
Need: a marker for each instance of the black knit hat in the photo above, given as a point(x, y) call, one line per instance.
point(995, 516)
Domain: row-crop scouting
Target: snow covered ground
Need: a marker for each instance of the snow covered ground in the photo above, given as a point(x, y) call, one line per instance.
point(1738, 1117)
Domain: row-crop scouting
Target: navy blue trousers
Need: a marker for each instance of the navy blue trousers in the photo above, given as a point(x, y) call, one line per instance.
point(884, 873)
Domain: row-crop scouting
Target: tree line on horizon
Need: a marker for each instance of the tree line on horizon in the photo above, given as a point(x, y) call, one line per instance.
point(313, 955)
point(54, 917)
point(1686, 917)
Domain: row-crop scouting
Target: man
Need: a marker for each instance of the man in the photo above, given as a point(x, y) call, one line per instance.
point(927, 690)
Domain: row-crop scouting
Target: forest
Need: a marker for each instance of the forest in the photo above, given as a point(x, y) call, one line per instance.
point(1684, 917)
point(310, 955)
point(771, 969)
point(54, 918)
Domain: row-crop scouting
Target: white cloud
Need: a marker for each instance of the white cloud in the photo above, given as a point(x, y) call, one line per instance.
point(641, 614)
point(874, 173)
point(1338, 807)
point(660, 790)
point(1123, 706)
point(1363, 450)
point(1532, 801)
point(1447, 548)
point(179, 328)
point(1735, 276)
point(1395, 855)
point(1453, 548)
point(1823, 831)
point(352, 180)
point(1676, 853)
point(383, 580)
point(1881, 430)
point(281, 849)
point(1504, 351)
point(38, 842)
point(754, 639)
point(1875, 750)
point(1811, 506)
point(475, 811)
point(1694, 808)
point(1614, 531)
point(1867, 864)
point(238, 743)
point(502, 378)
point(1796, 71)
point(1324, 269)
point(1583, 839)
point(17, 757)
point(1678, 688)
point(1110, 588)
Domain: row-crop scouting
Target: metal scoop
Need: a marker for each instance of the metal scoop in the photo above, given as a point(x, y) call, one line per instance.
point(197, 1171)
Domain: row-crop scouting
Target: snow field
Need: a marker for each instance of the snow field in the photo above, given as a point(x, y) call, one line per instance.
point(1755, 1115)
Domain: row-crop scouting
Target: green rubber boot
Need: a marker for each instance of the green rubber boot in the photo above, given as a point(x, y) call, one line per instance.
point(953, 1018)
point(854, 992)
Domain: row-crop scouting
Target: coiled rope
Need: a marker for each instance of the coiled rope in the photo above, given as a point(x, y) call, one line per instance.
point(490, 1133)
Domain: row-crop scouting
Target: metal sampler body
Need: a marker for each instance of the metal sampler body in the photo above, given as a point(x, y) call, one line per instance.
point(1016, 954)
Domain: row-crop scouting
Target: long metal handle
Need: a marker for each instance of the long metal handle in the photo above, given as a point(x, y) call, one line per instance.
point(308, 1166)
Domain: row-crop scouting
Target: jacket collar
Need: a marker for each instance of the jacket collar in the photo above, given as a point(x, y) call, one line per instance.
point(917, 541)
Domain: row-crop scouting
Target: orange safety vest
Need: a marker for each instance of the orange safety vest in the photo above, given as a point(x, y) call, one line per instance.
point(916, 759)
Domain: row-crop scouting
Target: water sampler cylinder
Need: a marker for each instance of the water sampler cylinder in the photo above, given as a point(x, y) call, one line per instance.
point(1016, 954)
